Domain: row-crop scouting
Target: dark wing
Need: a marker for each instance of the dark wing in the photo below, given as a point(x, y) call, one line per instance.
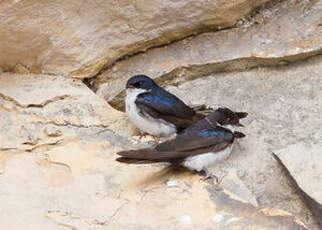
point(168, 108)
point(184, 146)
point(197, 140)
point(136, 161)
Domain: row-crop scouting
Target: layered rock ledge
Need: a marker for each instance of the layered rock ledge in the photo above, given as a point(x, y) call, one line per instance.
point(288, 33)
point(78, 38)
point(303, 164)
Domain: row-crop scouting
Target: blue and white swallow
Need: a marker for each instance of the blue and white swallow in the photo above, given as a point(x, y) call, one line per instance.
point(204, 143)
point(156, 111)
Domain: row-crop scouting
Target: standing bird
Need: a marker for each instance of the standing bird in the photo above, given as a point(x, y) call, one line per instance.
point(156, 111)
point(197, 147)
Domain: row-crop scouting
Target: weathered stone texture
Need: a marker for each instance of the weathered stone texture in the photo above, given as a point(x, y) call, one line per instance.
point(284, 106)
point(78, 38)
point(58, 170)
point(58, 138)
point(303, 163)
point(291, 32)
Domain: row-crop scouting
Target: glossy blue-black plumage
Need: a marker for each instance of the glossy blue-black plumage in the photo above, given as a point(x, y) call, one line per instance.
point(141, 81)
point(160, 104)
point(164, 104)
point(203, 136)
point(198, 137)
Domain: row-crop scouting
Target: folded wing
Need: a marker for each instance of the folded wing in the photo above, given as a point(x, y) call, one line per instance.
point(184, 146)
point(168, 108)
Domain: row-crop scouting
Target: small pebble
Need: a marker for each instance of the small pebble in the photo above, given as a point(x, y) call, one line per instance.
point(233, 219)
point(218, 218)
point(52, 131)
point(32, 140)
point(171, 183)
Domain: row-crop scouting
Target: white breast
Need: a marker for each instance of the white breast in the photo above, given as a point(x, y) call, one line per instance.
point(198, 162)
point(146, 123)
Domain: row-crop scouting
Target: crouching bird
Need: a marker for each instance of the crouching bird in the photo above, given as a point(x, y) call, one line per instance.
point(154, 110)
point(197, 147)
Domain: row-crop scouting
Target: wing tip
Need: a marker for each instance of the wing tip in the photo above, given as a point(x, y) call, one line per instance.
point(239, 134)
point(126, 160)
point(123, 153)
point(241, 115)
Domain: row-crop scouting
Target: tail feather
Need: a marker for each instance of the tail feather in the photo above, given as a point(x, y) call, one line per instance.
point(231, 113)
point(239, 134)
point(241, 115)
point(127, 160)
point(147, 154)
point(137, 154)
point(230, 117)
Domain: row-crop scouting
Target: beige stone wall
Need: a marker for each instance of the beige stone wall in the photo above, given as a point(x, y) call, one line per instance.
point(59, 132)
point(77, 38)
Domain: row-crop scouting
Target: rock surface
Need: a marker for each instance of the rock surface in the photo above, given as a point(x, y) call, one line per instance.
point(31, 105)
point(58, 139)
point(290, 32)
point(58, 170)
point(78, 38)
point(284, 106)
point(235, 186)
point(304, 166)
point(78, 188)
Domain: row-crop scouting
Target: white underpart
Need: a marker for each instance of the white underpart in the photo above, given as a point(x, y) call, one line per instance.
point(146, 123)
point(201, 161)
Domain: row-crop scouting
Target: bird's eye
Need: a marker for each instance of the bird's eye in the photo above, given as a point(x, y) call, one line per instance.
point(139, 83)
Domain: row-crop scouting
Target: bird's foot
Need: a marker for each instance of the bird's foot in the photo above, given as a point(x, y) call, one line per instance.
point(207, 175)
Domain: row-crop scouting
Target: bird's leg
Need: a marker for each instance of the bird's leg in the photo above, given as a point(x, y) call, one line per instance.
point(207, 175)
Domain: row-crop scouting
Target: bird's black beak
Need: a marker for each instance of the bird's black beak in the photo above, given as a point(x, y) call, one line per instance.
point(129, 86)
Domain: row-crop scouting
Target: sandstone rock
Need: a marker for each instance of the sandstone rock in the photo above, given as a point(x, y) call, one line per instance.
point(72, 181)
point(284, 106)
point(32, 105)
point(303, 164)
point(237, 214)
point(52, 131)
point(290, 33)
point(80, 186)
point(58, 139)
point(234, 185)
point(19, 68)
point(78, 38)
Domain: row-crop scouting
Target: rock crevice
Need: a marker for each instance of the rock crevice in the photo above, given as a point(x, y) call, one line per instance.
point(288, 34)
point(59, 139)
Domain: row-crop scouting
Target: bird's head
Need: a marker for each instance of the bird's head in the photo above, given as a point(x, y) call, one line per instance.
point(140, 82)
